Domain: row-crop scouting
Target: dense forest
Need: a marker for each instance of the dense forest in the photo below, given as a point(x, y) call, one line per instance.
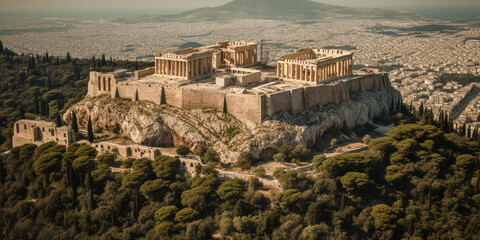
point(420, 181)
point(417, 182)
point(43, 86)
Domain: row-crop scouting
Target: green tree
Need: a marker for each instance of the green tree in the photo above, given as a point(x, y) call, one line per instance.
point(186, 215)
point(260, 171)
point(74, 122)
point(166, 167)
point(83, 164)
point(59, 120)
point(355, 181)
point(231, 190)
point(383, 216)
point(91, 137)
point(245, 161)
point(211, 156)
point(48, 163)
point(166, 213)
point(155, 190)
point(280, 157)
point(182, 150)
point(107, 158)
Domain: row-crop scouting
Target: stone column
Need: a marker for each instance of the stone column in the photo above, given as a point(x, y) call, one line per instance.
point(301, 73)
point(278, 69)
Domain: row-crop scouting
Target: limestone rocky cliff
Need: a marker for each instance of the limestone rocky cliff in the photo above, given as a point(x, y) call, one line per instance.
point(155, 125)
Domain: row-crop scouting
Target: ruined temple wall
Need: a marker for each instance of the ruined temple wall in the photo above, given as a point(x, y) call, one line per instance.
point(203, 99)
point(173, 97)
point(101, 83)
point(152, 93)
point(251, 107)
point(276, 102)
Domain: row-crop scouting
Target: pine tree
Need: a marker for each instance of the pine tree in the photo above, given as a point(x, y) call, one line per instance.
point(74, 122)
point(59, 120)
point(21, 112)
point(420, 110)
point(42, 107)
point(464, 130)
point(49, 82)
point(441, 120)
point(469, 132)
point(104, 61)
point(1, 47)
point(68, 57)
point(36, 105)
point(90, 130)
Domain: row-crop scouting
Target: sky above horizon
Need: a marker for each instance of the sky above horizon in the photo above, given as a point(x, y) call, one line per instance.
point(47, 5)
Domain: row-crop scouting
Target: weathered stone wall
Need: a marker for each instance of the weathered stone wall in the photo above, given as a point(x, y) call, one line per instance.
point(203, 99)
point(101, 83)
point(298, 100)
point(277, 102)
point(152, 93)
point(173, 97)
point(39, 132)
point(339, 91)
point(245, 79)
point(189, 163)
point(125, 91)
point(246, 106)
point(144, 72)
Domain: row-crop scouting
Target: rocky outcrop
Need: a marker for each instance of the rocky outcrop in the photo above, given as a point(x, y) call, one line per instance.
point(150, 124)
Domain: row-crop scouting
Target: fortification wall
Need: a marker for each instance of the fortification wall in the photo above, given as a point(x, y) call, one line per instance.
point(298, 100)
point(152, 93)
point(125, 91)
point(203, 99)
point(144, 72)
point(173, 97)
point(246, 106)
point(276, 102)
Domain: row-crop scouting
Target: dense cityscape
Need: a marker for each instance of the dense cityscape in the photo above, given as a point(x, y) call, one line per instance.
point(414, 53)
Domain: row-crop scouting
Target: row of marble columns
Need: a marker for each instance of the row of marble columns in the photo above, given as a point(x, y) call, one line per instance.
point(312, 73)
point(183, 68)
point(240, 58)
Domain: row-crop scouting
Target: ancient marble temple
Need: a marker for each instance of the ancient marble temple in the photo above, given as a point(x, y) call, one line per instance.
point(194, 63)
point(311, 65)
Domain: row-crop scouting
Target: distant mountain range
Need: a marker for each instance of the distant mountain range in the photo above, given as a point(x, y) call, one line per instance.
point(268, 9)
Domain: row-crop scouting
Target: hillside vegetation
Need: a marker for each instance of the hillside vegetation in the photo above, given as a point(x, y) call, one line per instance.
point(417, 182)
point(36, 86)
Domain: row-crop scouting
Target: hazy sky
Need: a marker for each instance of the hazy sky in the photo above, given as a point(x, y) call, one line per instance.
point(30, 5)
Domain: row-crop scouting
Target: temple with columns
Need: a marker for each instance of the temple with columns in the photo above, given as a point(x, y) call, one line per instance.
point(194, 63)
point(313, 66)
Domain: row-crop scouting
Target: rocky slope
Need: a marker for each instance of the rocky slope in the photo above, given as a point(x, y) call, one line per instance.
point(154, 125)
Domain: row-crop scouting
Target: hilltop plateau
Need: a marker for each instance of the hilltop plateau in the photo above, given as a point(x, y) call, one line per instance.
point(150, 124)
